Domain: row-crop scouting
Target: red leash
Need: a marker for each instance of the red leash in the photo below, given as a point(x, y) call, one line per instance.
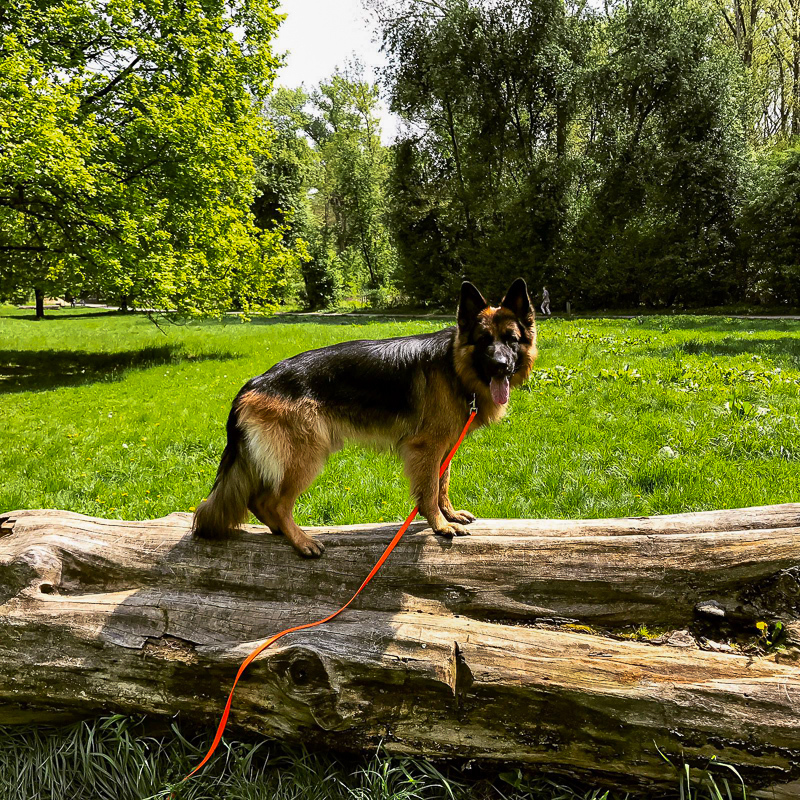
point(399, 535)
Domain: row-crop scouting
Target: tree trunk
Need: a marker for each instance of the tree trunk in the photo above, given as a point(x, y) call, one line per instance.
point(39, 295)
point(505, 645)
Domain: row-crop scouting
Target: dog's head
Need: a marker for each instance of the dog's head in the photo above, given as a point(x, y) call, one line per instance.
point(497, 344)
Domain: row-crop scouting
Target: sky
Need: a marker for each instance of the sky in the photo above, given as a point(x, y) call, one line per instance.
point(320, 35)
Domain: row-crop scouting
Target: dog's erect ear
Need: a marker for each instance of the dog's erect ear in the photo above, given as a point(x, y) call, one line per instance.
point(518, 301)
point(471, 304)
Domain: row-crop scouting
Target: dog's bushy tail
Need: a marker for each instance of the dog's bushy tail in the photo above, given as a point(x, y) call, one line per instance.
point(226, 506)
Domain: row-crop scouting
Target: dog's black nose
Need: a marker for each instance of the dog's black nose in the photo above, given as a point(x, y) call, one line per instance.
point(501, 361)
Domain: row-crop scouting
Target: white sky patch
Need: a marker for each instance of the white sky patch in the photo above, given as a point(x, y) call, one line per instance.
point(320, 35)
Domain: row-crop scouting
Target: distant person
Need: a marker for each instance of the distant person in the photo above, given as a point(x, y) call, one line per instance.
point(545, 301)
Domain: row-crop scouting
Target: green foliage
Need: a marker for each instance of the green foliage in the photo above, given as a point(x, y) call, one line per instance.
point(126, 134)
point(322, 275)
point(601, 154)
point(325, 178)
point(284, 177)
point(772, 228)
point(655, 222)
point(288, 170)
point(707, 783)
point(350, 203)
point(126, 758)
point(479, 183)
point(763, 36)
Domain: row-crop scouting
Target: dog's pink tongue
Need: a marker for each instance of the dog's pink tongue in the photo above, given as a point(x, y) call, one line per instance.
point(500, 390)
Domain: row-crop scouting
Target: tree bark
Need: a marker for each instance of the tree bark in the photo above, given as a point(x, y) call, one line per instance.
point(39, 297)
point(505, 645)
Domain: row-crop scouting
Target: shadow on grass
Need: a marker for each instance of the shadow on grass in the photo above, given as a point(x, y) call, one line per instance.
point(785, 349)
point(56, 316)
point(38, 370)
point(332, 318)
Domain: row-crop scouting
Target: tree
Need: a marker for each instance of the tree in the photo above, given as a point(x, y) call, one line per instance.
point(662, 175)
point(765, 35)
point(351, 204)
point(601, 153)
point(325, 179)
point(481, 178)
point(285, 177)
point(289, 177)
point(771, 223)
point(127, 129)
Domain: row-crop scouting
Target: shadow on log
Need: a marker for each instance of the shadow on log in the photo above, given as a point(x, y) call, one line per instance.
point(505, 645)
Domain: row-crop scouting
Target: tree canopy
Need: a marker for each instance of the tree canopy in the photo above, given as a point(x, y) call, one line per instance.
point(597, 152)
point(328, 173)
point(127, 135)
point(630, 153)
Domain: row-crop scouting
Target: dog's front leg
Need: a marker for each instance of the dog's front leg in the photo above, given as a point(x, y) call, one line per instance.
point(422, 462)
point(464, 517)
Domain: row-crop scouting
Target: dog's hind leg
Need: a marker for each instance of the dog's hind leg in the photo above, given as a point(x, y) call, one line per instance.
point(261, 505)
point(301, 541)
point(450, 514)
point(299, 476)
point(289, 445)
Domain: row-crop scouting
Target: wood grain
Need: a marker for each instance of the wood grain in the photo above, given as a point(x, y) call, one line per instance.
point(454, 650)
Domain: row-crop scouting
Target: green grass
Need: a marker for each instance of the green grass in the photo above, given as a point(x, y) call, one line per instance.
point(109, 416)
point(106, 415)
point(121, 758)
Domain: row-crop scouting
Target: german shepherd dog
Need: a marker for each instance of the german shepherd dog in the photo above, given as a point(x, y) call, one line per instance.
point(413, 393)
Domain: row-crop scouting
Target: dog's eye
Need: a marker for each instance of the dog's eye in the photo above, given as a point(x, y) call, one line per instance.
point(512, 338)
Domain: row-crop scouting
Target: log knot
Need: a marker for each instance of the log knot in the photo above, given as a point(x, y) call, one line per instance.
point(303, 678)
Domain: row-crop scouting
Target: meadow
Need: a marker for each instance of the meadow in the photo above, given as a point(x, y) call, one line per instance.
point(109, 415)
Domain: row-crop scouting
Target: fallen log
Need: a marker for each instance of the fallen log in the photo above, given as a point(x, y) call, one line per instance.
point(505, 645)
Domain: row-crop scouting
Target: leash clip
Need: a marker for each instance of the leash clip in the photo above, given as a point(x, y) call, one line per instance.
point(473, 408)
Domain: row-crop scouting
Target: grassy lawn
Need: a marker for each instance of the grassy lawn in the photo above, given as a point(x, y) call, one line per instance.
point(107, 415)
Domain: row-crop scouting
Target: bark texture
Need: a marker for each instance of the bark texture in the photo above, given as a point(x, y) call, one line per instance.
point(504, 645)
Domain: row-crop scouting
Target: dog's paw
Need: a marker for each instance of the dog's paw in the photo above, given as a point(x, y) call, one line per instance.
point(309, 548)
point(452, 529)
point(462, 516)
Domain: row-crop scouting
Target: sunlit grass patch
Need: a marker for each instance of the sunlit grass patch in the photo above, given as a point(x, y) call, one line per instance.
point(110, 416)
